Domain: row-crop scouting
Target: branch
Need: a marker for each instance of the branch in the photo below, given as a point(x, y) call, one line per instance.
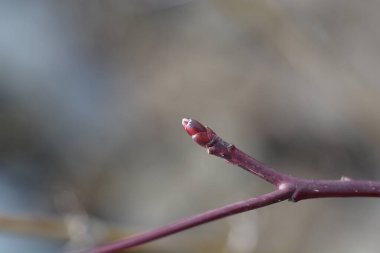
point(288, 188)
point(238, 207)
point(302, 188)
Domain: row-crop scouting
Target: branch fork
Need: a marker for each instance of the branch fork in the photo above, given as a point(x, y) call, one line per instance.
point(288, 188)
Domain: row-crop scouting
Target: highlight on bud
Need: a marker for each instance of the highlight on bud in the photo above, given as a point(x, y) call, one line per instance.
point(201, 134)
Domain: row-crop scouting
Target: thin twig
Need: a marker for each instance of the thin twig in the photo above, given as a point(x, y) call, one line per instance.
point(288, 187)
point(238, 207)
point(303, 188)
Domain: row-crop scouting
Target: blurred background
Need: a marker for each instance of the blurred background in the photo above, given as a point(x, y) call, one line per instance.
point(92, 94)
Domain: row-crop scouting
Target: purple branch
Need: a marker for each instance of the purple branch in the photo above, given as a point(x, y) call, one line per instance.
point(302, 188)
point(238, 207)
point(309, 189)
point(288, 187)
point(237, 157)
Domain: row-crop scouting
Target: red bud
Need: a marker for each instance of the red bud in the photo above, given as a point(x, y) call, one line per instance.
point(193, 127)
point(198, 132)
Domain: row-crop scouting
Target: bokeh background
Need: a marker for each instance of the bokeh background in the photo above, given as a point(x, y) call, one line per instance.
point(91, 99)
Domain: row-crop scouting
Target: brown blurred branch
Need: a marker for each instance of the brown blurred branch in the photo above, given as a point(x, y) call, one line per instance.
point(44, 227)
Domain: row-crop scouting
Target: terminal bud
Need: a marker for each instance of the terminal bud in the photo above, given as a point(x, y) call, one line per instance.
point(201, 134)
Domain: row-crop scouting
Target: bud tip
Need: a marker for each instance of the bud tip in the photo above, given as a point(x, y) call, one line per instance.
point(185, 122)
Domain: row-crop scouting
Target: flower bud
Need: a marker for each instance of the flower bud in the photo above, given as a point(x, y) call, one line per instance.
point(193, 127)
point(198, 132)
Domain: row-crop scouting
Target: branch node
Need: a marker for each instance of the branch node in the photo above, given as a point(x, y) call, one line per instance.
point(231, 147)
point(297, 190)
point(212, 150)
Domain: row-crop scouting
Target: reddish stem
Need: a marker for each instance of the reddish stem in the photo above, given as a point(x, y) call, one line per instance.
point(291, 188)
point(309, 189)
point(303, 188)
point(238, 207)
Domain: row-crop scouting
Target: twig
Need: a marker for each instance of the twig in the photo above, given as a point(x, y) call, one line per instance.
point(288, 188)
point(238, 207)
